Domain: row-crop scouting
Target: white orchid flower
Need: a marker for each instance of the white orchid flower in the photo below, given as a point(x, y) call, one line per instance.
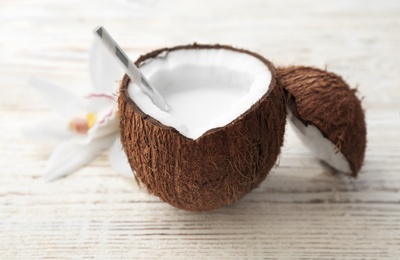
point(86, 126)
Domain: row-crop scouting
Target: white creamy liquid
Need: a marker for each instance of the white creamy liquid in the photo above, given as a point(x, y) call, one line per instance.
point(198, 107)
point(205, 89)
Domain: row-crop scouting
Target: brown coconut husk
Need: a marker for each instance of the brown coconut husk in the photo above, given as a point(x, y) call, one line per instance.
point(214, 170)
point(323, 99)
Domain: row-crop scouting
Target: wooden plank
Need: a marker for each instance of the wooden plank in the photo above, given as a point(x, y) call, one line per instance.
point(302, 210)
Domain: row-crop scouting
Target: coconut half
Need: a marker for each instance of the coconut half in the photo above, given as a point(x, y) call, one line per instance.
point(327, 116)
point(222, 133)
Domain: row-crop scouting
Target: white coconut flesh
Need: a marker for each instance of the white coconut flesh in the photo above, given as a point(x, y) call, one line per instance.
point(204, 88)
point(320, 146)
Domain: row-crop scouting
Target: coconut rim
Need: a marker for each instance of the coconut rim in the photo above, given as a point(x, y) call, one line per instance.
point(153, 54)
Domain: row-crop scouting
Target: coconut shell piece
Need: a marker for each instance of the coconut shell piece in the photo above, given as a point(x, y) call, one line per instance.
point(216, 169)
point(324, 100)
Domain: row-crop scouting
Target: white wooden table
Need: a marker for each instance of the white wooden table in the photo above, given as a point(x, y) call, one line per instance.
point(302, 211)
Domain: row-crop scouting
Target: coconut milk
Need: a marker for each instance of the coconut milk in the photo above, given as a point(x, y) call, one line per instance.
point(197, 107)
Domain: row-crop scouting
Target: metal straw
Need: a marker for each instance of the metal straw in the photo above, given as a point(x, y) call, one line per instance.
point(130, 68)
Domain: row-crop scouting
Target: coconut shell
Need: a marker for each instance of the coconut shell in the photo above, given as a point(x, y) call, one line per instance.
point(324, 100)
point(216, 169)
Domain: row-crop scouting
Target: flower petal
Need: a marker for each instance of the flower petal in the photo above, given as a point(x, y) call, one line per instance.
point(95, 102)
point(106, 124)
point(104, 68)
point(60, 100)
point(119, 161)
point(69, 156)
point(54, 128)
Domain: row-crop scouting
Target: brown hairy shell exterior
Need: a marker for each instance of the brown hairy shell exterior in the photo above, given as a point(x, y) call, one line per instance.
point(323, 99)
point(218, 168)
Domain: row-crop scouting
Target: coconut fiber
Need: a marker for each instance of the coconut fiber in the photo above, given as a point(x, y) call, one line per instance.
point(323, 99)
point(219, 167)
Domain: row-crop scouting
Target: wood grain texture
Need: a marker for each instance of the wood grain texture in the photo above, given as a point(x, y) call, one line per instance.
point(301, 211)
